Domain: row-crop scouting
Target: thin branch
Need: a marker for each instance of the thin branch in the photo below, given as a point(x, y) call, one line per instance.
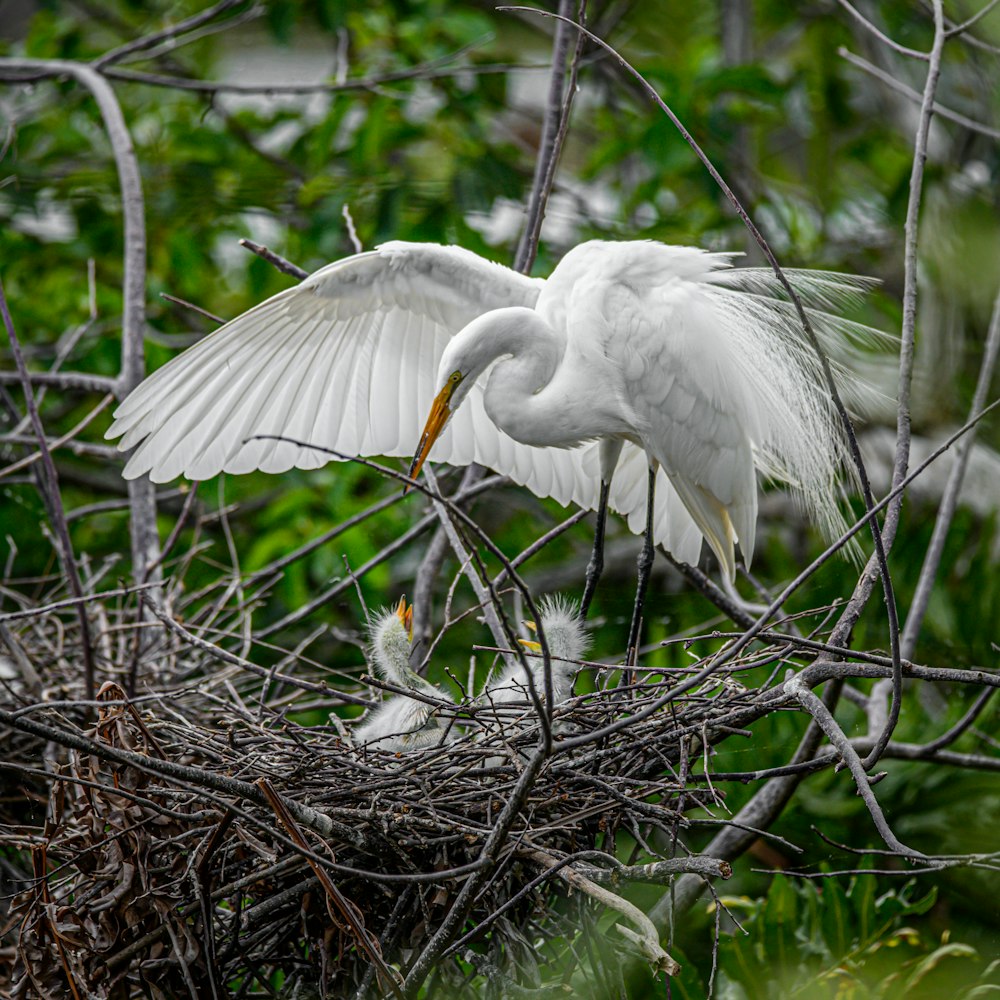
point(190, 305)
point(133, 291)
point(906, 347)
point(429, 71)
point(815, 707)
point(482, 589)
point(824, 670)
point(952, 490)
point(71, 602)
point(708, 589)
point(278, 565)
point(426, 577)
point(465, 899)
point(646, 938)
point(657, 872)
point(285, 266)
point(554, 124)
point(319, 822)
point(217, 652)
point(49, 482)
point(352, 232)
point(460, 908)
point(873, 29)
point(57, 442)
point(880, 552)
point(347, 911)
point(958, 29)
point(740, 831)
point(554, 128)
point(540, 543)
point(64, 380)
point(172, 31)
point(961, 726)
point(142, 525)
point(32, 679)
point(939, 109)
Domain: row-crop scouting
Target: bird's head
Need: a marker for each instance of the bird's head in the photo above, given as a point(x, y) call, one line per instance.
point(510, 332)
point(564, 632)
point(391, 635)
point(405, 614)
point(469, 353)
point(531, 644)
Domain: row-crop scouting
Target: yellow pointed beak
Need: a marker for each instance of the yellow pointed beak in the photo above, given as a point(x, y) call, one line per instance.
point(439, 417)
point(405, 615)
point(535, 647)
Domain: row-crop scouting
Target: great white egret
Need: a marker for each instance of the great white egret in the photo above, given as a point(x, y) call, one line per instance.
point(400, 723)
point(632, 356)
point(567, 641)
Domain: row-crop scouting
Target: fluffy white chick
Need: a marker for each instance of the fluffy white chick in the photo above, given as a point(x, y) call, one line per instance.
point(400, 723)
point(567, 641)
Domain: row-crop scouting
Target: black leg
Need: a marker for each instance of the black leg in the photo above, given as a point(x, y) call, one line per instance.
point(596, 564)
point(645, 563)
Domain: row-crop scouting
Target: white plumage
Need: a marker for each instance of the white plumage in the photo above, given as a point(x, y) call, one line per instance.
point(400, 723)
point(667, 353)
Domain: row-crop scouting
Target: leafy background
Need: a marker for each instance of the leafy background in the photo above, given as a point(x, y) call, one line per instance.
point(820, 153)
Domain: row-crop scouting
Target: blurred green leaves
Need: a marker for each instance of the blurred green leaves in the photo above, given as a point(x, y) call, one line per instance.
point(822, 938)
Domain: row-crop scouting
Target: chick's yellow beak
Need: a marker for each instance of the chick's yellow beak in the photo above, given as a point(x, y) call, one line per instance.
point(439, 416)
point(535, 647)
point(405, 615)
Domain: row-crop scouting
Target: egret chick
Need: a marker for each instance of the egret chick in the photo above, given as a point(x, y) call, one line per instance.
point(400, 723)
point(567, 641)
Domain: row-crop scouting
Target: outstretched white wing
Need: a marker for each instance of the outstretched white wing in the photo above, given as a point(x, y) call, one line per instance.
point(346, 361)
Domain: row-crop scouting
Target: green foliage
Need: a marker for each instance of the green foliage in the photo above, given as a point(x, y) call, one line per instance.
point(850, 941)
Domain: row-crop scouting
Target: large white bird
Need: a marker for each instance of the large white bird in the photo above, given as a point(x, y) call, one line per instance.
point(631, 356)
point(400, 723)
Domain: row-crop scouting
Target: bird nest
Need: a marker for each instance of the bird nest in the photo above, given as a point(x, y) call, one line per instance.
point(194, 834)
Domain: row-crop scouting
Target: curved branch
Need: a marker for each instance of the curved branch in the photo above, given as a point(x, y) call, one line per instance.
point(949, 501)
point(142, 498)
point(906, 349)
point(815, 707)
point(172, 31)
point(646, 938)
point(852, 441)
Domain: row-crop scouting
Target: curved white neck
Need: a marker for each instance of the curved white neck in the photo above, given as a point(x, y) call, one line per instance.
point(520, 391)
point(533, 392)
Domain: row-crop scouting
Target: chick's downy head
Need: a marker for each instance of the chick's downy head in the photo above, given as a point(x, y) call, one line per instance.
point(564, 632)
point(391, 632)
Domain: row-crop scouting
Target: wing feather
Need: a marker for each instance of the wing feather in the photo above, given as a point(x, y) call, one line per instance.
point(295, 411)
point(345, 360)
point(313, 409)
point(254, 409)
point(721, 384)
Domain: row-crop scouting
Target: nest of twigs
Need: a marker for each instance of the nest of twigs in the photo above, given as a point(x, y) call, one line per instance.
point(201, 837)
